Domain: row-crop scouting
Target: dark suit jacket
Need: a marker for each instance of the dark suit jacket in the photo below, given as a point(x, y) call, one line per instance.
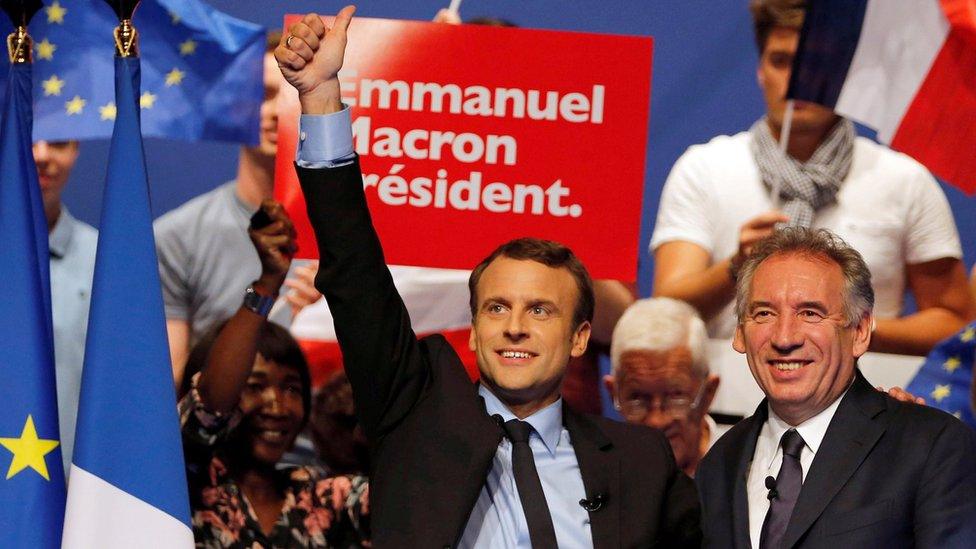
point(432, 441)
point(887, 474)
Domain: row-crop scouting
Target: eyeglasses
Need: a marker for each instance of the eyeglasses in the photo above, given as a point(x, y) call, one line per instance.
point(678, 407)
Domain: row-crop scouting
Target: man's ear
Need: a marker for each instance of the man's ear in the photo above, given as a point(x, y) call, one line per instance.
point(611, 384)
point(472, 341)
point(581, 337)
point(738, 340)
point(711, 387)
point(862, 335)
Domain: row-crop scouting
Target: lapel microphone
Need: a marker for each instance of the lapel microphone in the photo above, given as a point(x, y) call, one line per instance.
point(771, 486)
point(593, 504)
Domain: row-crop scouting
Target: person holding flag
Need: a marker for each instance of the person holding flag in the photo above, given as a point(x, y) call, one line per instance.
point(719, 201)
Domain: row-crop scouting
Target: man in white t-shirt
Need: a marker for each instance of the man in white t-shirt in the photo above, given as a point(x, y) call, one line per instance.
point(717, 203)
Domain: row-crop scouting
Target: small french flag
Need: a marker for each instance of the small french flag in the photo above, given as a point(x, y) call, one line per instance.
point(905, 68)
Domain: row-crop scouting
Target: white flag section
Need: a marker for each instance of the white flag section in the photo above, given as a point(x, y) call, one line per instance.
point(437, 300)
point(100, 511)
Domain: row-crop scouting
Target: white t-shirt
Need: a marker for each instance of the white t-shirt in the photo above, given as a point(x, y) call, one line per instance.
point(889, 208)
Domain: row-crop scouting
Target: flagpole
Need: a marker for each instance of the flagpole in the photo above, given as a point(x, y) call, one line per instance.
point(784, 141)
point(128, 476)
point(455, 6)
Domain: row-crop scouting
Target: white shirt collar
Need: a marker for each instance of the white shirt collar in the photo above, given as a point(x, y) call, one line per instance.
point(547, 422)
point(812, 431)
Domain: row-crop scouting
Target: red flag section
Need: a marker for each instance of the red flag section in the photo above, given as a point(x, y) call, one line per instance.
point(939, 127)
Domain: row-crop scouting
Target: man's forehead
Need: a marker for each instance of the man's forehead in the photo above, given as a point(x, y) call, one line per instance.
point(674, 363)
point(524, 279)
point(796, 276)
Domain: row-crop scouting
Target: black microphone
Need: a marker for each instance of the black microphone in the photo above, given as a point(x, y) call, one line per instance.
point(593, 504)
point(771, 486)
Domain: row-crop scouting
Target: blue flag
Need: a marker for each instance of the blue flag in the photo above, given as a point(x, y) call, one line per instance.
point(128, 481)
point(202, 71)
point(946, 377)
point(31, 473)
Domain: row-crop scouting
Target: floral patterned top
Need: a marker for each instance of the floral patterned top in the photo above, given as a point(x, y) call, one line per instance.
point(318, 511)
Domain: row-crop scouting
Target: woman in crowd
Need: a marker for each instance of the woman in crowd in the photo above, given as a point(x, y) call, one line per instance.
point(246, 396)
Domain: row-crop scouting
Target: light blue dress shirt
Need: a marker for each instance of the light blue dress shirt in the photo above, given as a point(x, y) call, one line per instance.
point(497, 520)
point(72, 244)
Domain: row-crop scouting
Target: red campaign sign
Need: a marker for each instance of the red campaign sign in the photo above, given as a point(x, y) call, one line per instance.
point(470, 136)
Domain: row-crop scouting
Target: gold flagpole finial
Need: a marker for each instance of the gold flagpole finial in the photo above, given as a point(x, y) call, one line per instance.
point(126, 39)
point(20, 47)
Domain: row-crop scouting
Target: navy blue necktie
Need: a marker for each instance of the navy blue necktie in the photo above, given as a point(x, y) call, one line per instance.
point(534, 505)
point(788, 483)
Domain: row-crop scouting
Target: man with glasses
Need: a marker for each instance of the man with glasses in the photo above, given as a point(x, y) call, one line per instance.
point(660, 376)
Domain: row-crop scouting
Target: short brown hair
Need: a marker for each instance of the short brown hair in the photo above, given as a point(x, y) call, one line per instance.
point(858, 293)
point(769, 14)
point(549, 253)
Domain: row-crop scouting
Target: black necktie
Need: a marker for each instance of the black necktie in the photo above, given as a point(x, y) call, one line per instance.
point(788, 484)
point(533, 499)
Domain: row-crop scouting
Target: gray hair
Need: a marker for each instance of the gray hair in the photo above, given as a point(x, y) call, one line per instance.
point(660, 324)
point(858, 293)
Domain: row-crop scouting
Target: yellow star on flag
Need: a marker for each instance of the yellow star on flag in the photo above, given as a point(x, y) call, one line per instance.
point(147, 100)
point(941, 392)
point(951, 364)
point(28, 450)
point(45, 50)
point(108, 111)
point(55, 13)
point(52, 86)
point(189, 47)
point(175, 77)
point(968, 334)
point(75, 106)
point(175, 17)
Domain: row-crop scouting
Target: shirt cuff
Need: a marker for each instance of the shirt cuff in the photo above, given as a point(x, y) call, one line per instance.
point(325, 140)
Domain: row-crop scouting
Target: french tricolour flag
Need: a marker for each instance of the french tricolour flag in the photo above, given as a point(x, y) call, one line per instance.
point(906, 68)
point(127, 486)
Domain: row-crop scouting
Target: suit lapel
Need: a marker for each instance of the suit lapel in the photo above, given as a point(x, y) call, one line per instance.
point(852, 434)
point(600, 469)
point(740, 497)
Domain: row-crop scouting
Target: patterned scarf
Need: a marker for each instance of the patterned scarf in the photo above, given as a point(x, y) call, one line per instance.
point(805, 187)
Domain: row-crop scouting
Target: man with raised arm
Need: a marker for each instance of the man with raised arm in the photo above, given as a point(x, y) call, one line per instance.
point(500, 464)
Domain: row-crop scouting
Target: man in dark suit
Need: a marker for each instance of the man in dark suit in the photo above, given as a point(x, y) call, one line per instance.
point(827, 461)
point(502, 463)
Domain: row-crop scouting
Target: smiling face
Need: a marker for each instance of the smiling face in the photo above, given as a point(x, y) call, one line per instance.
point(523, 332)
point(796, 335)
point(773, 74)
point(55, 160)
point(273, 410)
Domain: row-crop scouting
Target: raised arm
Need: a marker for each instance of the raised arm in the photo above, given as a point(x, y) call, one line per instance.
point(232, 356)
point(382, 356)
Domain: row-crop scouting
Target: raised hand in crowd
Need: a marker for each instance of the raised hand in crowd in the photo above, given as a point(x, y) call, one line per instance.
point(232, 356)
point(301, 287)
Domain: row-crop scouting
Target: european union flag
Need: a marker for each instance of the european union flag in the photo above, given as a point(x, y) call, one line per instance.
point(947, 375)
point(202, 71)
point(31, 474)
point(128, 481)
